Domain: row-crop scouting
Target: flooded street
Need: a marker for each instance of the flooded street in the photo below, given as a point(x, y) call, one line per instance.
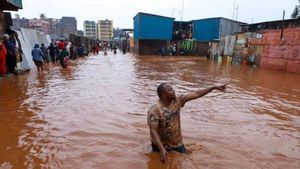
point(94, 115)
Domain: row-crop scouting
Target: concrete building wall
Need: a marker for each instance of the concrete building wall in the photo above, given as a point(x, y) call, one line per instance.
point(68, 25)
point(90, 29)
point(40, 25)
point(105, 30)
point(53, 23)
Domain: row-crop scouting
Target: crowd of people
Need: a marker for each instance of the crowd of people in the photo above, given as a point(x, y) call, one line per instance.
point(59, 52)
point(171, 51)
point(104, 46)
point(11, 54)
point(63, 52)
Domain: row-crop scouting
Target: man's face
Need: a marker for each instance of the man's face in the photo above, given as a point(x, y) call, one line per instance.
point(169, 93)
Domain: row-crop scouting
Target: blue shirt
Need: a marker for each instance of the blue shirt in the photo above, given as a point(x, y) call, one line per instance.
point(37, 54)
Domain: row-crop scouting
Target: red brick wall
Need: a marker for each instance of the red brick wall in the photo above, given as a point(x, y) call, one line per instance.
point(281, 54)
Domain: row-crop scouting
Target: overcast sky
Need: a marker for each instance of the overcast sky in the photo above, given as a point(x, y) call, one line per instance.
point(123, 11)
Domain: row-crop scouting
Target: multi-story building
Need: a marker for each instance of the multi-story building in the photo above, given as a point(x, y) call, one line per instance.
point(80, 33)
point(55, 27)
point(24, 23)
point(105, 30)
point(20, 23)
point(40, 25)
point(90, 29)
point(53, 23)
point(67, 25)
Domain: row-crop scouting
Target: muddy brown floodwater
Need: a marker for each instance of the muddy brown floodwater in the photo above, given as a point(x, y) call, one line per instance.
point(93, 115)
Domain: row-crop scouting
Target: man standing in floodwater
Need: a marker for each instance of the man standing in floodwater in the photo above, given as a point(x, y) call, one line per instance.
point(164, 118)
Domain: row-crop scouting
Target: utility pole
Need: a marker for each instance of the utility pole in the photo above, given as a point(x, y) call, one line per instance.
point(233, 9)
point(182, 10)
point(237, 12)
point(173, 12)
point(180, 20)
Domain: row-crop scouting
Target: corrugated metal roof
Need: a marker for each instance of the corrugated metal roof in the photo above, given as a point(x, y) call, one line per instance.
point(275, 21)
point(220, 18)
point(141, 13)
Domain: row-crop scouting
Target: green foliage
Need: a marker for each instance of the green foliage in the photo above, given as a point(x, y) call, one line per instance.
point(296, 12)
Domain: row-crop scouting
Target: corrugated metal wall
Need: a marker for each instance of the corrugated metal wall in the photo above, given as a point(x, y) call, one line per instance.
point(207, 29)
point(136, 26)
point(229, 27)
point(147, 26)
point(28, 38)
point(214, 28)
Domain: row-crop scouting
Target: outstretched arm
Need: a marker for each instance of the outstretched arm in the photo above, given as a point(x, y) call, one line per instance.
point(156, 138)
point(199, 93)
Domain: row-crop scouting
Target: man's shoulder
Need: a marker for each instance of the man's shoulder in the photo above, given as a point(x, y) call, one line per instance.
point(153, 109)
point(152, 114)
point(179, 96)
point(180, 100)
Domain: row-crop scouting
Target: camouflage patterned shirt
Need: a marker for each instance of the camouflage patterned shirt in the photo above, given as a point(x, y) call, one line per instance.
point(169, 128)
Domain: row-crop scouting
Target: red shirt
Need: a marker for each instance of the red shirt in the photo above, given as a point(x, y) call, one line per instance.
point(61, 45)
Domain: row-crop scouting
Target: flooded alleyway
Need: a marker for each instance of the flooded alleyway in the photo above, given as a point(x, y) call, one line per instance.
point(94, 115)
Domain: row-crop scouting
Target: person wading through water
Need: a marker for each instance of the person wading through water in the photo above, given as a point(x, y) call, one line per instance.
point(164, 118)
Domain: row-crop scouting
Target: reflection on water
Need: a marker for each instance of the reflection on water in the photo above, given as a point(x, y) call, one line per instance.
point(93, 115)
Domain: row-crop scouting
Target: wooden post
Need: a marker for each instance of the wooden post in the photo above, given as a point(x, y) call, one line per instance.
point(281, 35)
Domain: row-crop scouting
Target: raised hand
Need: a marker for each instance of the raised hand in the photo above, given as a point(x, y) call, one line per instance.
point(221, 87)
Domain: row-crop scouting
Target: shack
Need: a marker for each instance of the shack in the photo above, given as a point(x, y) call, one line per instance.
point(210, 29)
point(151, 32)
point(277, 47)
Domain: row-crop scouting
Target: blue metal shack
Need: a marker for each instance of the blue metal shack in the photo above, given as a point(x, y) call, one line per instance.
point(149, 26)
point(213, 28)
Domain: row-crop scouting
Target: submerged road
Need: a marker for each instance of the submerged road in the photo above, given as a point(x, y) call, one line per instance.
point(93, 115)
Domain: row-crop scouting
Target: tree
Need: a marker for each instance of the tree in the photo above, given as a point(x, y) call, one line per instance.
point(296, 12)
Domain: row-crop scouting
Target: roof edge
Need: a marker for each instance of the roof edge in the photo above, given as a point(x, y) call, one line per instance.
point(142, 13)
